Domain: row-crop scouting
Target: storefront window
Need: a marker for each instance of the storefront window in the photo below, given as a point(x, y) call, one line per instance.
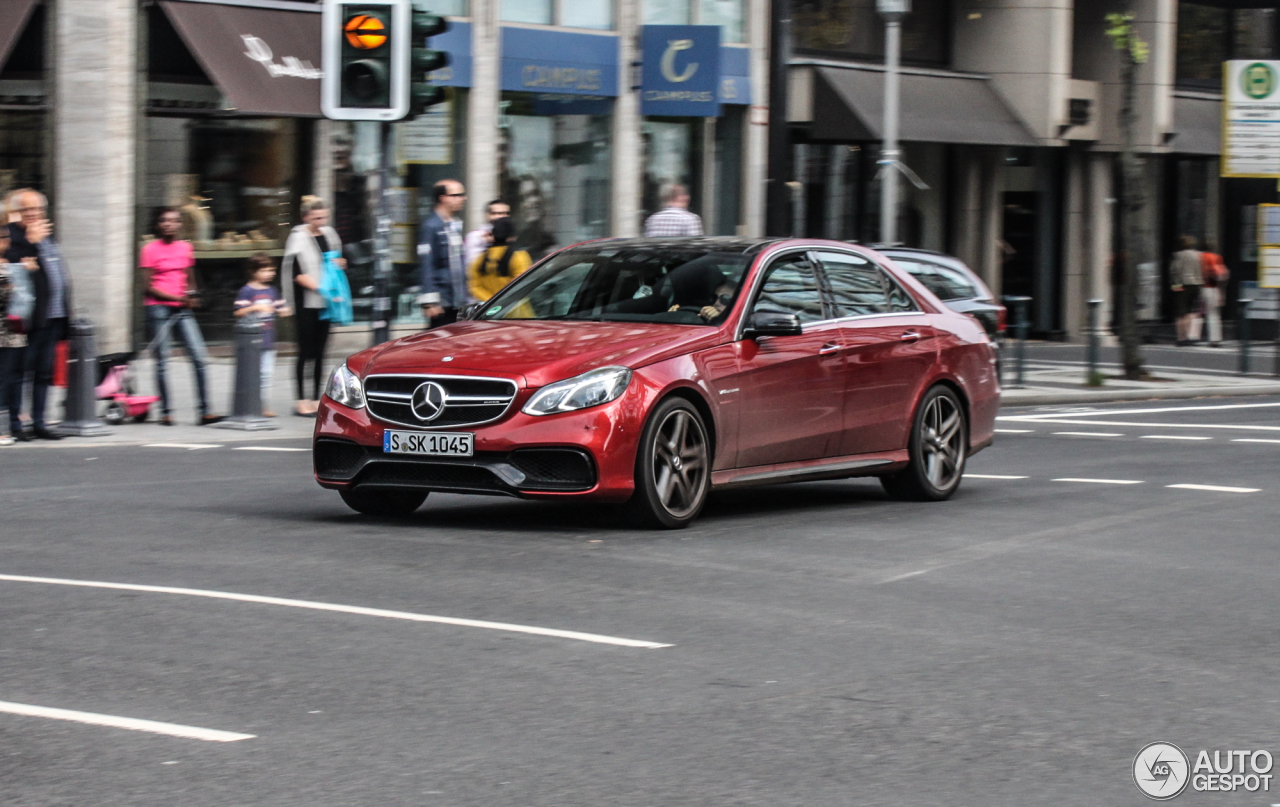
point(853, 29)
point(667, 12)
point(534, 11)
point(555, 168)
point(728, 171)
point(587, 14)
point(22, 138)
point(725, 13)
point(1208, 36)
point(672, 155)
point(451, 8)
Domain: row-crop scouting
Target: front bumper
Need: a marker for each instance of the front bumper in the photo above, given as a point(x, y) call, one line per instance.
point(588, 454)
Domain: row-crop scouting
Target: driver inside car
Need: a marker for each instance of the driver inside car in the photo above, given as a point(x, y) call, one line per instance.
point(700, 286)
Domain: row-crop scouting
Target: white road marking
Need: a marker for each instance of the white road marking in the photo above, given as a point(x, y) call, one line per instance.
point(1253, 440)
point(896, 578)
point(1071, 421)
point(1215, 488)
point(1089, 434)
point(1015, 431)
point(991, 476)
point(343, 609)
point(188, 446)
point(267, 448)
point(1100, 481)
point(1172, 437)
point(1050, 415)
point(131, 723)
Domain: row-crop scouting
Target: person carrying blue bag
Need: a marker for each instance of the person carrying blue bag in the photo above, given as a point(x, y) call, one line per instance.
point(336, 290)
point(310, 257)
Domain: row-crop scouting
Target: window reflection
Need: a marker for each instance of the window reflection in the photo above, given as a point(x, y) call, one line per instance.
point(852, 28)
point(1208, 36)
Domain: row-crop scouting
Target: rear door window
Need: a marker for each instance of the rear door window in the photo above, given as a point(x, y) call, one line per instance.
point(791, 287)
point(856, 285)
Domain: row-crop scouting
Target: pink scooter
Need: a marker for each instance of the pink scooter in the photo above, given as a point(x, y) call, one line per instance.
point(115, 386)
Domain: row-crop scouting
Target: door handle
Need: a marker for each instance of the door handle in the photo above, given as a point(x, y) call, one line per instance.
point(829, 348)
point(910, 336)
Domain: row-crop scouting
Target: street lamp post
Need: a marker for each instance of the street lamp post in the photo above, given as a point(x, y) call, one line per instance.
point(893, 11)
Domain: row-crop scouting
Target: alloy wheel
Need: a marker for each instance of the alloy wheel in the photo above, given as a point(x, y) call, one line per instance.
point(680, 463)
point(941, 441)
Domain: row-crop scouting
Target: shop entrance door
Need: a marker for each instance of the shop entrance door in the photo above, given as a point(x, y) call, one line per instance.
point(1018, 258)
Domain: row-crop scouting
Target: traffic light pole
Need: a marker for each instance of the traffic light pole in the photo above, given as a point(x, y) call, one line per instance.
point(382, 242)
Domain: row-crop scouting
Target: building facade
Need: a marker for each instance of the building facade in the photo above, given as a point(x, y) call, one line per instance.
point(563, 108)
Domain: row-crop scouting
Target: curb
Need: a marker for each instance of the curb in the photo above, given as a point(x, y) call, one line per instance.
point(1015, 398)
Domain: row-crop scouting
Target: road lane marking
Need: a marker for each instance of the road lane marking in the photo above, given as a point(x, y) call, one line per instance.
point(1088, 434)
point(992, 476)
point(1015, 431)
point(1050, 415)
point(1073, 422)
point(1253, 440)
point(267, 448)
point(188, 446)
point(1172, 437)
point(131, 723)
point(1100, 481)
point(1215, 488)
point(343, 609)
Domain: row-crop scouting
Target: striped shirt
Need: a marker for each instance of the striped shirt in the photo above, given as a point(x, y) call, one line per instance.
point(672, 222)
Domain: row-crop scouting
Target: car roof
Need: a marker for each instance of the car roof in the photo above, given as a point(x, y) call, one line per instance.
point(708, 243)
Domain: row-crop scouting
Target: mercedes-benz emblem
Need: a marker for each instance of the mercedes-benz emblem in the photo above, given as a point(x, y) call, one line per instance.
point(428, 401)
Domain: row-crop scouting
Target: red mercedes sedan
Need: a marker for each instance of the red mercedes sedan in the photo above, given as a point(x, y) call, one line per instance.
point(647, 372)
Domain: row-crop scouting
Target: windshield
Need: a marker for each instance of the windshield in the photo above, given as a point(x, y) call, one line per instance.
point(626, 284)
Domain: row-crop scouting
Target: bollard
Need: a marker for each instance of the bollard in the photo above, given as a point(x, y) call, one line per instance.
point(1022, 326)
point(1245, 302)
point(81, 407)
point(246, 408)
point(1091, 374)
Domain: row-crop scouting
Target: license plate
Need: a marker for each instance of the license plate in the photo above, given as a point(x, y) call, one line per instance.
point(433, 444)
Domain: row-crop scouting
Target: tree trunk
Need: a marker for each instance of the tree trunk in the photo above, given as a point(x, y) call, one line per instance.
point(1132, 229)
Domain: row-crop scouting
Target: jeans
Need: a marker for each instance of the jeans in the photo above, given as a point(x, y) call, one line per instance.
point(41, 344)
point(184, 325)
point(11, 373)
point(267, 371)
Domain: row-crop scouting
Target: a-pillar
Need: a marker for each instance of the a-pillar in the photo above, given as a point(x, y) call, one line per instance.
point(626, 154)
point(95, 131)
point(482, 111)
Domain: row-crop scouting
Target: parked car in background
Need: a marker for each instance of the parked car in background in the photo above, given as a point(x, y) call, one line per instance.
point(648, 371)
point(954, 283)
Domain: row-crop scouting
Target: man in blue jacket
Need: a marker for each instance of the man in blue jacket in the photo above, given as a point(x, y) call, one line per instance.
point(444, 278)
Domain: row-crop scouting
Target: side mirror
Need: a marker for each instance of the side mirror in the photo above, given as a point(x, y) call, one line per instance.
point(469, 312)
point(772, 323)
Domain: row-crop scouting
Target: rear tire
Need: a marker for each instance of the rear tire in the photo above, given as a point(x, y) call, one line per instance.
point(384, 503)
point(142, 417)
point(939, 447)
point(673, 468)
point(114, 414)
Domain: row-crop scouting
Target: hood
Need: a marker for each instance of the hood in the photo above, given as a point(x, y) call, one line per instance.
point(542, 352)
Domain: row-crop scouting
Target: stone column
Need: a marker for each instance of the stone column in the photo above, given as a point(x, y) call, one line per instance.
point(755, 151)
point(95, 115)
point(482, 111)
point(967, 198)
point(626, 147)
point(1101, 209)
point(991, 215)
point(1074, 244)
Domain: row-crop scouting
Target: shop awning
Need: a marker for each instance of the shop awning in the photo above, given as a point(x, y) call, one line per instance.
point(266, 61)
point(14, 14)
point(936, 108)
point(1198, 122)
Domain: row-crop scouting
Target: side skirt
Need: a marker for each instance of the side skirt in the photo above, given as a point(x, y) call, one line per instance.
point(811, 470)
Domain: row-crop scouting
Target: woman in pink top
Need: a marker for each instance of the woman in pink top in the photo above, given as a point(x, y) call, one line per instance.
point(168, 262)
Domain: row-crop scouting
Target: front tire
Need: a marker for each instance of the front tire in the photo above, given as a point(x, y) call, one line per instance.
point(383, 503)
point(673, 467)
point(939, 447)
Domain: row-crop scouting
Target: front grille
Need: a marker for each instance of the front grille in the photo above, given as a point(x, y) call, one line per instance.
point(435, 475)
point(554, 468)
point(468, 401)
point(337, 459)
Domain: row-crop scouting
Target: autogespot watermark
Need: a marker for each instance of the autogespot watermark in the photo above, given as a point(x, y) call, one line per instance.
point(1162, 771)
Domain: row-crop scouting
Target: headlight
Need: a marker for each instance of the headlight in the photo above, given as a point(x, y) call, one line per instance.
point(344, 388)
point(589, 389)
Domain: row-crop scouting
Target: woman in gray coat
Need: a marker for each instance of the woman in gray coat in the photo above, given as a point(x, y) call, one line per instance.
point(304, 265)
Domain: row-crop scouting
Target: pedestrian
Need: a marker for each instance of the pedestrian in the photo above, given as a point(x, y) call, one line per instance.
point(260, 301)
point(674, 219)
point(310, 245)
point(1214, 273)
point(501, 263)
point(444, 277)
point(13, 343)
point(169, 264)
point(479, 239)
point(1186, 279)
point(31, 243)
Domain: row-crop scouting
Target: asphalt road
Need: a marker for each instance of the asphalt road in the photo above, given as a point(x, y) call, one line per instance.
point(827, 647)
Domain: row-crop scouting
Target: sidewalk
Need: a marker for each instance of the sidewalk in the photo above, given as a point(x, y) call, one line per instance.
point(1055, 373)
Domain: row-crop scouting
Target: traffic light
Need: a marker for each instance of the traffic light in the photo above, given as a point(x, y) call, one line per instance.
point(423, 61)
point(366, 49)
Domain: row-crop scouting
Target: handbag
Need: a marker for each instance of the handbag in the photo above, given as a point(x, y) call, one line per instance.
point(336, 291)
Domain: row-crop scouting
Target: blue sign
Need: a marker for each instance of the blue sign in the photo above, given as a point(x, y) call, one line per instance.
point(552, 104)
point(457, 43)
point(735, 75)
point(681, 65)
point(559, 62)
